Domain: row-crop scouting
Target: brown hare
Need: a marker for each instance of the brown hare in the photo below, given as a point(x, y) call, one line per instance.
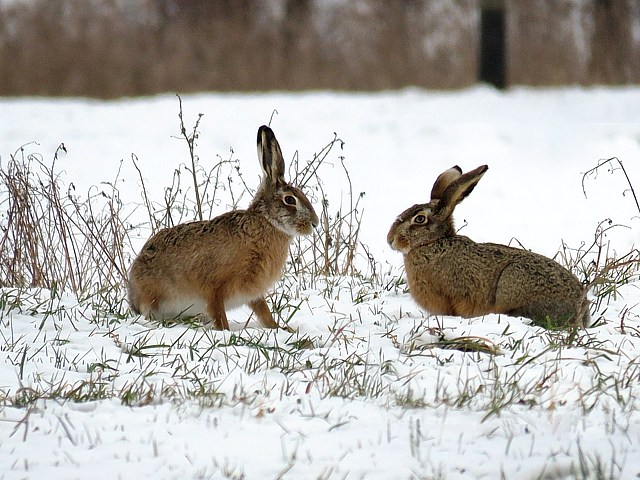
point(450, 274)
point(232, 260)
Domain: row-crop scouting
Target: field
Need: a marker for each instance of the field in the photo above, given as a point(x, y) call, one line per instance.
point(369, 386)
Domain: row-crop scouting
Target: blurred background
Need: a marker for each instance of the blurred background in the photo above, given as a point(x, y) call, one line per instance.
point(115, 48)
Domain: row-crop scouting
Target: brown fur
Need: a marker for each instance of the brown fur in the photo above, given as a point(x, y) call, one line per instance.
point(208, 266)
point(449, 274)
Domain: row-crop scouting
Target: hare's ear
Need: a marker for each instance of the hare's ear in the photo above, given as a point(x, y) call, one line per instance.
point(270, 155)
point(444, 180)
point(458, 190)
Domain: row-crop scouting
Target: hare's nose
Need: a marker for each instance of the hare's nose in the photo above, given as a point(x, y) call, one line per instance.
point(391, 237)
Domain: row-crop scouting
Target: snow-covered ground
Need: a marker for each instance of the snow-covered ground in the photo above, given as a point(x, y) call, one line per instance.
point(359, 391)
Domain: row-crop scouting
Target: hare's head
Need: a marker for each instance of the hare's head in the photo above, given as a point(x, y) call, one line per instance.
point(285, 206)
point(427, 222)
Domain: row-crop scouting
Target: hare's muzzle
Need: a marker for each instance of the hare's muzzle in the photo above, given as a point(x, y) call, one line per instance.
point(306, 225)
point(396, 237)
point(392, 238)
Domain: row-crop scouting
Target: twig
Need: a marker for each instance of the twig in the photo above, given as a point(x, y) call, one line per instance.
point(190, 139)
point(595, 169)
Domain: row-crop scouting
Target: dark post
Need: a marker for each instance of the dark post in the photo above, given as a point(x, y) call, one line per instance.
point(492, 44)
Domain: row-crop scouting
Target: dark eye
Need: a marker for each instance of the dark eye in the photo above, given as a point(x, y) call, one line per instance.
point(290, 200)
point(420, 219)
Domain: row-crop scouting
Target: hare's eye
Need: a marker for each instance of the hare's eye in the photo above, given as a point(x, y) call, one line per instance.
point(420, 219)
point(290, 200)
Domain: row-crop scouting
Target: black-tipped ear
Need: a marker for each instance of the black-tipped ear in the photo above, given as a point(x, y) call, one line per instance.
point(270, 155)
point(444, 180)
point(458, 190)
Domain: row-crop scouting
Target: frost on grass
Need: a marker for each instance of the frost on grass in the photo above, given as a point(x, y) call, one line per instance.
point(361, 386)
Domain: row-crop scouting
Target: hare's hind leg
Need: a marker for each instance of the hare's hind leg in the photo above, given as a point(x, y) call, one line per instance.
point(261, 309)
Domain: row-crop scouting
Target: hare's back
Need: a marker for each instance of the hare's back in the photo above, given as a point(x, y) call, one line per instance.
point(486, 277)
point(187, 240)
point(458, 256)
point(457, 270)
point(538, 269)
point(232, 248)
point(535, 283)
point(539, 288)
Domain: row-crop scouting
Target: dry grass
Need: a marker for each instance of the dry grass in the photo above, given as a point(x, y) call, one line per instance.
point(106, 49)
point(103, 48)
point(55, 238)
point(603, 270)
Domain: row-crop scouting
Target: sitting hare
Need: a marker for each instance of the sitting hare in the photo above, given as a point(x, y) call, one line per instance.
point(450, 274)
point(232, 260)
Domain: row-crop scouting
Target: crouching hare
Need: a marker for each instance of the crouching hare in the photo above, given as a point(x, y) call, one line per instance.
point(232, 260)
point(450, 274)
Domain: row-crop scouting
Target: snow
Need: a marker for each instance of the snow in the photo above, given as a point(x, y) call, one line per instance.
point(370, 396)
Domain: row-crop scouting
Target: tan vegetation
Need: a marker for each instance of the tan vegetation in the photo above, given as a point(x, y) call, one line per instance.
point(113, 48)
